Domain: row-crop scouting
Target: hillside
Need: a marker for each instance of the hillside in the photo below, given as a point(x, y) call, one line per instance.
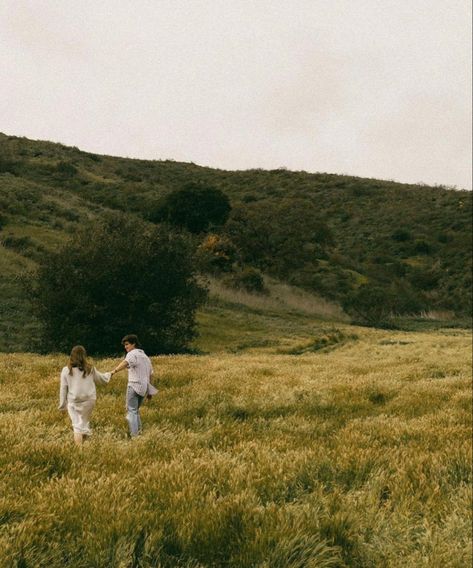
point(321, 232)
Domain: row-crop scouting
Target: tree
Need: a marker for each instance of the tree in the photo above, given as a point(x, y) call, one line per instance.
point(195, 207)
point(119, 276)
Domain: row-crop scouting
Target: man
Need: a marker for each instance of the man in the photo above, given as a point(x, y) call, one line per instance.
point(140, 371)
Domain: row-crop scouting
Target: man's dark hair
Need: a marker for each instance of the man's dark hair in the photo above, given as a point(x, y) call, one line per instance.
point(131, 338)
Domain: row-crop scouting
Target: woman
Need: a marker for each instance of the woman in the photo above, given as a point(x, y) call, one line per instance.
point(77, 392)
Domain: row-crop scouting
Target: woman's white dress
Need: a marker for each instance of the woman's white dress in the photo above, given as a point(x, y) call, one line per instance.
point(78, 393)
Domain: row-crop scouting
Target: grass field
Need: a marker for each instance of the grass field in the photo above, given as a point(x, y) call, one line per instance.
point(289, 444)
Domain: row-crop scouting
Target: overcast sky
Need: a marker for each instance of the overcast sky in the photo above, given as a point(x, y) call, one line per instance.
point(373, 88)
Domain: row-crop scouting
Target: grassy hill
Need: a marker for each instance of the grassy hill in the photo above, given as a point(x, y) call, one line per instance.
point(413, 240)
point(291, 438)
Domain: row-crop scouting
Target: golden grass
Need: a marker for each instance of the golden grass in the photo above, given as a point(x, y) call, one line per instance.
point(360, 456)
point(283, 297)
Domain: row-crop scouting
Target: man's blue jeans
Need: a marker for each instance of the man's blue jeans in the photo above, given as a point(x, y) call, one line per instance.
point(133, 403)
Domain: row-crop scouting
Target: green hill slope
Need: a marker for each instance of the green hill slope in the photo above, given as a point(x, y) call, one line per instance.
point(415, 240)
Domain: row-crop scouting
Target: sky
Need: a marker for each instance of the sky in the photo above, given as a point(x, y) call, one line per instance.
point(372, 88)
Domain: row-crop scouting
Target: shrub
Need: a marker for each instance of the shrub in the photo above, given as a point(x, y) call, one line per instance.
point(70, 215)
point(3, 221)
point(401, 235)
point(279, 237)
point(195, 207)
point(19, 244)
point(66, 169)
point(425, 279)
point(7, 166)
point(248, 279)
point(93, 157)
point(216, 254)
point(422, 247)
point(371, 304)
point(444, 237)
point(406, 299)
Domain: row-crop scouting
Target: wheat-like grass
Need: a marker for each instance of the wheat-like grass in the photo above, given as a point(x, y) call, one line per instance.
point(355, 457)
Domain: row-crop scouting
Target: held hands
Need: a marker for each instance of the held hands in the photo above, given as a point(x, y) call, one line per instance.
point(120, 367)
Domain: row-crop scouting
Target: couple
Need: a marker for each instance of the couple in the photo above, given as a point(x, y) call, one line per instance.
point(77, 392)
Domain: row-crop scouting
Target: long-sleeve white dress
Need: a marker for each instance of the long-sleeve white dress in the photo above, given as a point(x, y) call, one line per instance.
point(78, 394)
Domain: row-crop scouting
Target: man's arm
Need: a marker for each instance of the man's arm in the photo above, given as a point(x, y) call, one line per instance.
point(120, 367)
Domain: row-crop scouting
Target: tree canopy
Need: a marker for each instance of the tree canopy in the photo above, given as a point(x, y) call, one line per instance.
point(194, 207)
point(119, 276)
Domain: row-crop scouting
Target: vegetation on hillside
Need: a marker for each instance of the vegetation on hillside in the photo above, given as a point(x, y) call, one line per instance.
point(328, 234)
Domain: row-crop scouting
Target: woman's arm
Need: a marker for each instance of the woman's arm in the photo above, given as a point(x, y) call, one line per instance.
point(63, 393)
point(101, 378)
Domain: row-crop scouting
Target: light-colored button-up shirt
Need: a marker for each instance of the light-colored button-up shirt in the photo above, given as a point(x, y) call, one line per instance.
point(140, 371)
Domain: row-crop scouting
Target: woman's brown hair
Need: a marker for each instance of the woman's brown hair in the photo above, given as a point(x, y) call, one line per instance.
point(79, 360)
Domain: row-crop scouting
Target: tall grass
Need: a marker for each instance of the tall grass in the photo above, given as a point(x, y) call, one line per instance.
point(354, 457)
point(282, 297)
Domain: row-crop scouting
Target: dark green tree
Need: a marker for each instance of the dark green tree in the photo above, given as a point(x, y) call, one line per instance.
point(194, 207)
point(119, 276)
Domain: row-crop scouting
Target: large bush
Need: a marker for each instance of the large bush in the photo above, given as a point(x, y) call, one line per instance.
point(195, 207)
point(119, 276)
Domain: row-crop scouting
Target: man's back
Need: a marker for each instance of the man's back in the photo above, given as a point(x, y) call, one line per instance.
point(139, 370)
